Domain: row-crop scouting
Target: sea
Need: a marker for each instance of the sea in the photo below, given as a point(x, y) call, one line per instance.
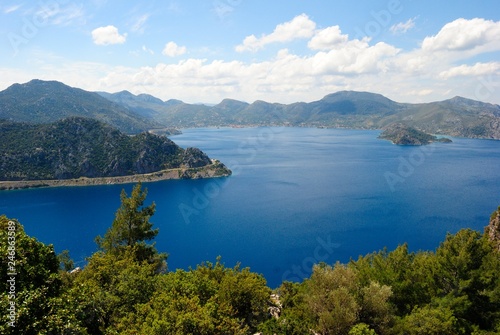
point(297, 197)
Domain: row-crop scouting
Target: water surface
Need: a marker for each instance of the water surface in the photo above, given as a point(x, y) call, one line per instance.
point(297, 196)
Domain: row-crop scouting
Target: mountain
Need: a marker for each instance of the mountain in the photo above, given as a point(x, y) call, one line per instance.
point(47, 101)
point(78, 147)
point(455, 117)
point(345, 109)
point(41, 101)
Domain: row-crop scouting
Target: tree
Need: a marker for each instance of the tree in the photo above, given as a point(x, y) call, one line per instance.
point(361, 329)
point(430, 321)
point(132, 227)
point(31, 286)
point(331, 297)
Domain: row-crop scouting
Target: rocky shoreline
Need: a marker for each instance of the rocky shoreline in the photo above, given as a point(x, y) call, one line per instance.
point(214, 170)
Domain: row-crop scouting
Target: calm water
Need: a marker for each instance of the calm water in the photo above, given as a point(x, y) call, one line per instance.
point(297, 196)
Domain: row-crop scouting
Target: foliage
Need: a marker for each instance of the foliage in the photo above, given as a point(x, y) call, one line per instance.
point(36, 297)
point(41, 101)
point(78, 147)
point(404, 135)
point(361, 329)
point(124, 289)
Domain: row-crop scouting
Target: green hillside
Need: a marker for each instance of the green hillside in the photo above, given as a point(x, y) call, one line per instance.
point(47, 101)
point(78, 147)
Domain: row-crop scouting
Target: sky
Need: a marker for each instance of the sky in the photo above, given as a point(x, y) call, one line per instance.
point(203, 51)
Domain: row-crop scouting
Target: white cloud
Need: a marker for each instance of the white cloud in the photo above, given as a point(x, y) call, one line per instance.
point(299, 27)
point(465, 35)
point(478, 69)
point(403, 27)
point(327, 38)
point(173, 50)
point(336, 63)
point(11, 9)
point(61, 15)
point(108, 35)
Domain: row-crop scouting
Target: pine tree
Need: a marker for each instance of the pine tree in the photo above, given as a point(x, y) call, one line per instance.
point(132, 227)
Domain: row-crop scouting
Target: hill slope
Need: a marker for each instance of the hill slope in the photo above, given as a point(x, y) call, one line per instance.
point(47, 101)
point(77, 147)
point(345, 109)
point(404, 135)
point(40, 102)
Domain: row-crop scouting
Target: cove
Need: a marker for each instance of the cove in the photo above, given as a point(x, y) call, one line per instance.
point(297, 196)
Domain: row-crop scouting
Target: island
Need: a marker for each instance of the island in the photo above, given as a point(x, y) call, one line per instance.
point(81, 151)
point(402, 134)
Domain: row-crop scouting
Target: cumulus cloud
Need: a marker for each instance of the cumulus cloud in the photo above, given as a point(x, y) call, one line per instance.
point(327, 38)
point(108, 35)
point(402, 27)
point(171, 49)
point(477, 69)
point(463, 35)
point(337, 63)
point(299, 27)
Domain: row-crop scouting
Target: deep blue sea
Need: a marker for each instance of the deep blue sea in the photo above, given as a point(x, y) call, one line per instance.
point(298, 196)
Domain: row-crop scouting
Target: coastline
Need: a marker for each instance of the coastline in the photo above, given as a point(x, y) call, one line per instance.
point(214, 170)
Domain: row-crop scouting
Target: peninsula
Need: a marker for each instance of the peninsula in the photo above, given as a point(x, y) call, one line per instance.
point(80, 151)
point(402, 134)
point(213, 170)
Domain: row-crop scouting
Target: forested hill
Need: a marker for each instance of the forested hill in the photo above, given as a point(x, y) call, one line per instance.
point(78, 147)
point(346, 109)
point(41, 101)
point(47, 101)
point(404, 135)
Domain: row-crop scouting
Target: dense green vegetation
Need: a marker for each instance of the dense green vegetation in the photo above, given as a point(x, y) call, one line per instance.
point(125, 288)
point(404, 135)
point(41, 101)
point(47, 101)
point(346, 109)
point(78, 147)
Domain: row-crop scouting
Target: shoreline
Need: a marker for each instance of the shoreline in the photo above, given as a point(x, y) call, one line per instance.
point(214, 170)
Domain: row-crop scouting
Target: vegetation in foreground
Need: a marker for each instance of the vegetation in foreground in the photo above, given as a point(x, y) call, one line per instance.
point(126, 288)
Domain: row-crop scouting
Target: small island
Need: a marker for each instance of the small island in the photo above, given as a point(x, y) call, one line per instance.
point(402, 134)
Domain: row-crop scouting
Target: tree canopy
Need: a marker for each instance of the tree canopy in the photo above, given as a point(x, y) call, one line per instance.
point(125, 289)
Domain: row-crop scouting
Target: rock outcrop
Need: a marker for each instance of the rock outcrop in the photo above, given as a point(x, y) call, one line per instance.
point(492, 231)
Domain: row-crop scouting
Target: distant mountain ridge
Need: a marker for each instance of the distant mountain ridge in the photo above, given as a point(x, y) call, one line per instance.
point(345, 109)
point(47, 101)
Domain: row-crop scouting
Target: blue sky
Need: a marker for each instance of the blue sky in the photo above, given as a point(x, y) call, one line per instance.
point(298, 50)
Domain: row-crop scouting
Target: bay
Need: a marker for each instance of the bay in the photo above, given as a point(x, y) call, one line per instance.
point(297, 196)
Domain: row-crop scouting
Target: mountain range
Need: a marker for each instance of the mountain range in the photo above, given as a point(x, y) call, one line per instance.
point(41, 101)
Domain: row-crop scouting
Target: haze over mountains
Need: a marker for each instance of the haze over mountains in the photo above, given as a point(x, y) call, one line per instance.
point(42, 101)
